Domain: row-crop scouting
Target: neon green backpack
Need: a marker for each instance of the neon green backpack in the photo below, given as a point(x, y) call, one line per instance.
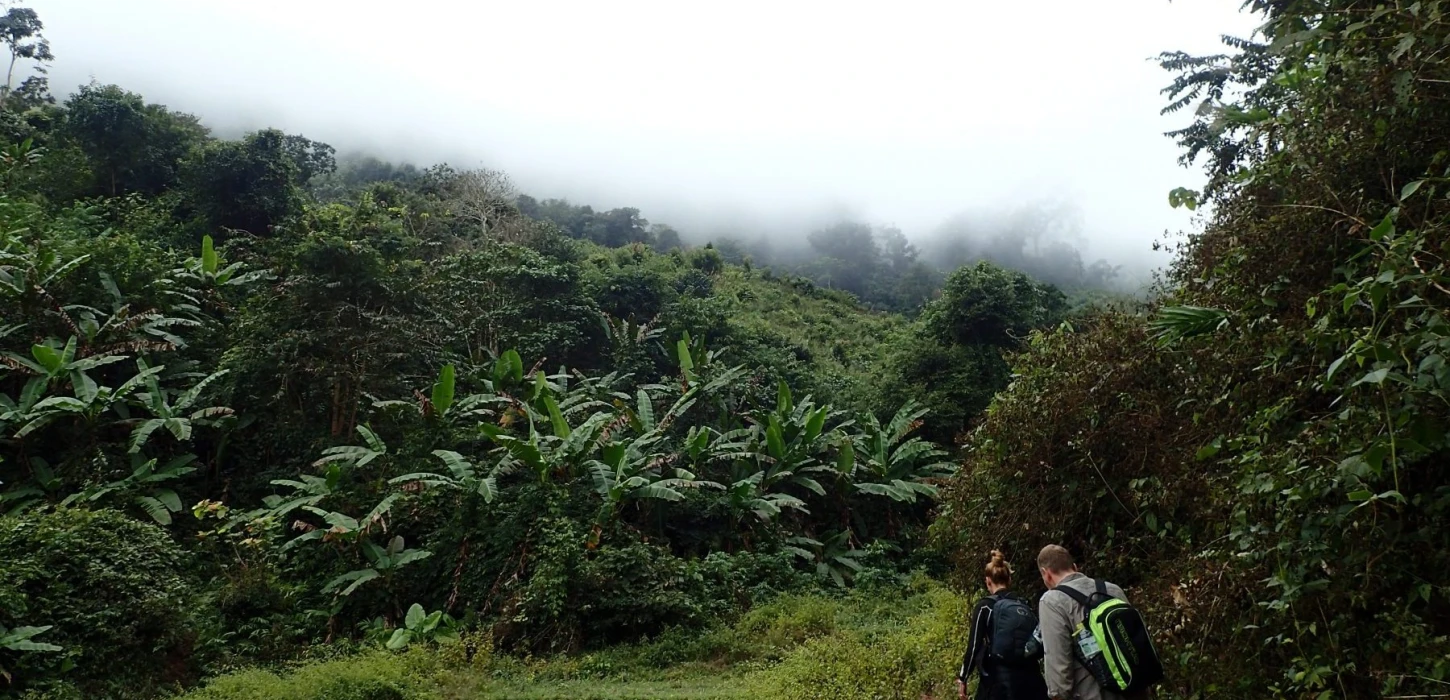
point(1113, 642)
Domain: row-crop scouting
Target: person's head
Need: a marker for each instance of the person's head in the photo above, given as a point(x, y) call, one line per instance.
point(1055, 563)
point(999, 574)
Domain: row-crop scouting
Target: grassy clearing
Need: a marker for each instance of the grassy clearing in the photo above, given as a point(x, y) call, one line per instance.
point(882, 644)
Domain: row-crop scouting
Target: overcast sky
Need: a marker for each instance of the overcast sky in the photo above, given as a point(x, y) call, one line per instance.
point(698, 113)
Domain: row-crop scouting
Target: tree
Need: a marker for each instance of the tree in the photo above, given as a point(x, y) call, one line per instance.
point(851, 256)
point(898, 252)
point(989, 305)
point(666, 238)
point(312, 158)
point(20, 29)
point(249, 185)
point(132, 146)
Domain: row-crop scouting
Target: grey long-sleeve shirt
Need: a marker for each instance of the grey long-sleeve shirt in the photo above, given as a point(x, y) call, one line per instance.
point(1059, 615)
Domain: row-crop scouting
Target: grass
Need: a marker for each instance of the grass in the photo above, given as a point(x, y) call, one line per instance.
point(691, 682)
point(899, 644)
point(847, 342)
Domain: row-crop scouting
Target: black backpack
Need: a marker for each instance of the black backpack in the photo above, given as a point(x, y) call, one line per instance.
point(1014, 632)
point(1113, 642)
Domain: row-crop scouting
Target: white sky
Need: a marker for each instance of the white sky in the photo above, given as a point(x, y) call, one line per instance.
point(901, 112)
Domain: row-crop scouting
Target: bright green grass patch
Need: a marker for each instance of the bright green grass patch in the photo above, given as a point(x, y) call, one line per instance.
point(695, 683)
point(901, 643)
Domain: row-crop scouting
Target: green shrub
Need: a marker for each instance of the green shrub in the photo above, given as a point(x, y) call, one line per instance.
point(788, 622)
point(374, 676)
point(907, 662)
point(113, 590)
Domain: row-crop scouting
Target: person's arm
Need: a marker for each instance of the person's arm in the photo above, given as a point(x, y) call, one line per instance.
point(977, 640)
point(1053, 613)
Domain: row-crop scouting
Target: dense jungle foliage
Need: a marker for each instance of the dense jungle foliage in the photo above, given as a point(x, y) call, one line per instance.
point(1263, 461)
point(279, 424)
point(256, 406)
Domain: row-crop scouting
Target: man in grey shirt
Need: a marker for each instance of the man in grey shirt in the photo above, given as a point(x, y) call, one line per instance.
point(1059, 616)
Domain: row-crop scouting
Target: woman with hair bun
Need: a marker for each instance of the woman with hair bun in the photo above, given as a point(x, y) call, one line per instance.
point(1004, 646)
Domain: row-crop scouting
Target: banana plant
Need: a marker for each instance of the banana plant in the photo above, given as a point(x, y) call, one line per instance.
point(21, 639)
point(142, 486)
point(625, 333)
point(630, 470)
point(462, 476)
point(89, 401)
point(887, 463)
point(834, 558)
point(307, 490)
point(563, 452)
point(176, 417)
point(704, 375)
point(788, 443)
point(748, 495)
point(420, 625)
point(356, 456)
point(208, 269)
point(26, 274)
point(42, 482)
point(383, 563)
point(440, 403)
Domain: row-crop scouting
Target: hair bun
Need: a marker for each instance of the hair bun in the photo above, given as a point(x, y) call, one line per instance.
point(998, 569)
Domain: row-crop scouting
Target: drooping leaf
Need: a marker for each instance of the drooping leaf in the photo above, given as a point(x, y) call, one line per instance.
point(401, 637)
point(561, 426)
point(168, 498)
point(155, 508)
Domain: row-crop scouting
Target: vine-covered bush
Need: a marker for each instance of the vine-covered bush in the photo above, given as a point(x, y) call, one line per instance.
point(114, 590)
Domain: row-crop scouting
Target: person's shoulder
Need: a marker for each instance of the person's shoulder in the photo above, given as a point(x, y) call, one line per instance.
point(1053, 596)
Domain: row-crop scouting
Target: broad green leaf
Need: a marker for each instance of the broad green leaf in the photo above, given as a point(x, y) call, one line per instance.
point(410, 556)
point(1410, 189)
point(846, 460)
point(455, 462)
point(209, 261)
point(443, 390)
point(1373, 377)
point(358, 578)
point(774, 442)
point(169, 499)
point(687, 364)
point(415, 616)
point(509, 366)
point(156, 509)
point(815, 423)
point(48, 357)
point(561, 427)
point(400, 639)
point(646, 411)
point(1386, 227)
point(488, 488)
point(374, 442)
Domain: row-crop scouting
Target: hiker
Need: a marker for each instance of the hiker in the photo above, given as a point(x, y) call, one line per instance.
point(1003, 647)
point(1062, 614)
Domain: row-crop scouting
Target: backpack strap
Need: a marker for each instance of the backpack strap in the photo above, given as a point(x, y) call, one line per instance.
point(1103, 588)
point(1073, 593)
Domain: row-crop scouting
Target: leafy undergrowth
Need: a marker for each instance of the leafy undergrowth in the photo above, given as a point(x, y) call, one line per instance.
point(846, 342)
point(899, 643)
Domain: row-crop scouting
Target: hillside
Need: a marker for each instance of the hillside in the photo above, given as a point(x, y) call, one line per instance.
point(275, 426)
